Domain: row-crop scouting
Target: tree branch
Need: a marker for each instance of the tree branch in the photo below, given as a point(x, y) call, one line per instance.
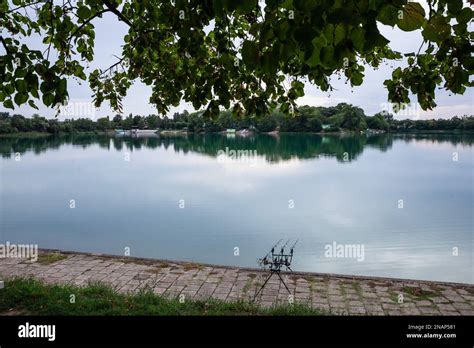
point(24, 6)
point(7, 49)
point(52, 28)
point(119, 14)
point(87, 22)
point(110, 68)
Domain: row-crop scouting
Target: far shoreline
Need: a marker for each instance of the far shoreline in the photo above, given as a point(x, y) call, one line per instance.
point(181, 132)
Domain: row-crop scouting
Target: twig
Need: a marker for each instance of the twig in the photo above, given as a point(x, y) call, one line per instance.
point(86, 22)
point(24, 6)
point(7, 49)
point(119, 14)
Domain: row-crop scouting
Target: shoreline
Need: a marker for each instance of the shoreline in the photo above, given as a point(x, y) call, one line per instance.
point(151, 261)
point(173, 132)
point(327, 293)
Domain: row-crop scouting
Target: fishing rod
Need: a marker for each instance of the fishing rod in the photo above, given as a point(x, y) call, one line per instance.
point(264, 260)
point(284, 246)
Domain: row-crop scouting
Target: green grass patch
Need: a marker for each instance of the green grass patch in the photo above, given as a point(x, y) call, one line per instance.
point(190, 266)
point(32, 297)
point(247, 286)
point(50, 258)
point(357, 288)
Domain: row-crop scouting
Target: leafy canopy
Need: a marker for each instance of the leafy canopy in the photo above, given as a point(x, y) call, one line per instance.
point(249, 55)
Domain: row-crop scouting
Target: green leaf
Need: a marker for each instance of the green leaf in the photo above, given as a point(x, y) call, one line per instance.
point(8, 104)
point(413, 16)
point(32, 104)
point(250, 53)
point(9, 89)
point(357, 38)
point(62, 87)
point(270, 62)
point(318, 43)
point(436, 30)
point(388, 15)
point(357, 78)
point(245, 6)
point(339, 33)
point(327, 56)
point(20, 98)
point(465, 15)
point(218, 8)
point(454, 6)
point(34, 92)
point(48, 99)
point(20, 86)
point(84, 12)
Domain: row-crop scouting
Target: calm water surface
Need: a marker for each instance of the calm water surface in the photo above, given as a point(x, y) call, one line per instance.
point(345, 190)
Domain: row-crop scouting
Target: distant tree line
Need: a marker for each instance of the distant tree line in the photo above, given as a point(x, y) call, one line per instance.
point(308, 119)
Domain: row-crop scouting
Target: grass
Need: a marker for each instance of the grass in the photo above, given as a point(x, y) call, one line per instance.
point(357, 288)
point(32, 297)
point(419, 294)
point(50, 258)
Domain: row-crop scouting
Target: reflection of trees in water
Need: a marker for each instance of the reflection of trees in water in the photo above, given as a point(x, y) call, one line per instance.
point(437, 137)
point(273, 149)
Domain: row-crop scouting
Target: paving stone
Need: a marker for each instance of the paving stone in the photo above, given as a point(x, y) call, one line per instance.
point(357, 310)
point(369, 295)
point(395, 312)
point(429, 311)
point(445, 307)
point(462, 305)
point(440, 300)
point(462, 291)
point(393, 306)
point(424, 303)
point(338, 304)
point(353, 297)
point(333, 298)
point(159, 291)
point(320, 306)
point(411, 311)
point(355, 304)
point(374, 309)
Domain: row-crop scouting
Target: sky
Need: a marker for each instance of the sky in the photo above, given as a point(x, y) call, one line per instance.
point(370, 96)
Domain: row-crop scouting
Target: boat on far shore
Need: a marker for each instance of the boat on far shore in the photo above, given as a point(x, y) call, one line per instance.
point(143, 131)
point(136, 132)
point(244, 132)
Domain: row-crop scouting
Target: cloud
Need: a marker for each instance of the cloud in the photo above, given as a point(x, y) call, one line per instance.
point(447, 111)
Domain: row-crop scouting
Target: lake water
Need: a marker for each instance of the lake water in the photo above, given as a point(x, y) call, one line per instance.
point(405, 201)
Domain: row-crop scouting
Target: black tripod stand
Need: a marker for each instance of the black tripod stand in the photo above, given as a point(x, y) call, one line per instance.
point(275, 262)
